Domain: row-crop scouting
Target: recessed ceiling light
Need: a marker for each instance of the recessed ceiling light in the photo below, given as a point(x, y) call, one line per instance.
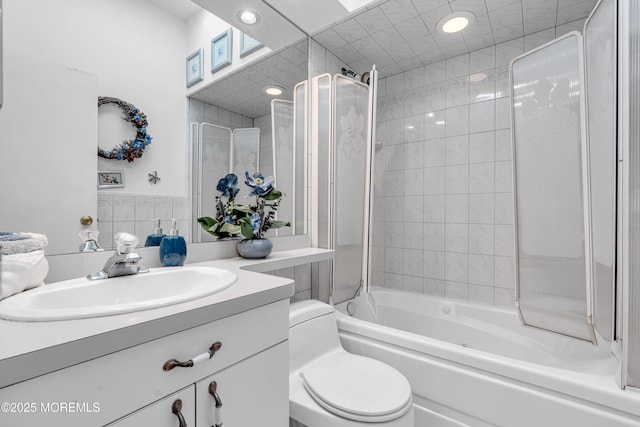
point(455, 22)
point(248, 17)
point(274, 90)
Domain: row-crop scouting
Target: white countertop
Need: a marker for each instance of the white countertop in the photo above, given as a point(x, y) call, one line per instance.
point(30, 349)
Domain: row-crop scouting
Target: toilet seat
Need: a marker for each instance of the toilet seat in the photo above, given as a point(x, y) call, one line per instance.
point(358, 388)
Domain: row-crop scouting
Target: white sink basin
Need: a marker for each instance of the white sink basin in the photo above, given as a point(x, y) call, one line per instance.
point(82, 298)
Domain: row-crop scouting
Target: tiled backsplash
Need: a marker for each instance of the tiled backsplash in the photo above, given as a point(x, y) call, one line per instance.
point(135, 213)
point(443, 200)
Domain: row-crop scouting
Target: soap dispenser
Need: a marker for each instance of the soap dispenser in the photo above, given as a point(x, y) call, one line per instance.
point(173, 248)
point(155, 238)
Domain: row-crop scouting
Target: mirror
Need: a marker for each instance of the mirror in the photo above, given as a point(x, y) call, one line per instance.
point(236, 118)
point(50, 121)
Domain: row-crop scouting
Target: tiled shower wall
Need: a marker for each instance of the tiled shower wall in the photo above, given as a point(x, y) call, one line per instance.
point(443, 197)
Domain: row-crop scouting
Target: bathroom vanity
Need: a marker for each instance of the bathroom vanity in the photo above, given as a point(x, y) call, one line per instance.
point(125, 370)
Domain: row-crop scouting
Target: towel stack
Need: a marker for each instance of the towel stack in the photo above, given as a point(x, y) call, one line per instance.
point(23, 264)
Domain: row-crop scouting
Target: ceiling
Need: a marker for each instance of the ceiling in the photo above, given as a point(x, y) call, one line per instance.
point(395, 35)
point(400, 35)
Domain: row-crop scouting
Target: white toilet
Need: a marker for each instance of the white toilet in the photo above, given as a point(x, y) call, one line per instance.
point(329, 387)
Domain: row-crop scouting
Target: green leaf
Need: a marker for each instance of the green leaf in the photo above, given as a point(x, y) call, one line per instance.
point(230, 228)
point(241, 208)
point(206, 222)
point(278, 224)
point(273, 195)
point(245, 228)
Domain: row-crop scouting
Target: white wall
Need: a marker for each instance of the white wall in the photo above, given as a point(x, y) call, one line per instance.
point(137, 51)
point(202, 27)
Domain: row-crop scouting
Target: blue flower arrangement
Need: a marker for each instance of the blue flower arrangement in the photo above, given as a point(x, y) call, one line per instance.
point(251, 221)
point(134, 148)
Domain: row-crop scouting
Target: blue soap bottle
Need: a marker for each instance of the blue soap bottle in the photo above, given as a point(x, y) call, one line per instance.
point(155, 238)
point(173, 248)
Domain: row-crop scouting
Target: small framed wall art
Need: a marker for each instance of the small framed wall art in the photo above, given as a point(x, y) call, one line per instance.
point(248, 45)
point(195, 66)
point(110, 179)
point(221, 50)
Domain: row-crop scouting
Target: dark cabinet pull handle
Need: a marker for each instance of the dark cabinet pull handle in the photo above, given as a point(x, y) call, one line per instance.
point(176, 408)
point(217, 410)
point(170, 364)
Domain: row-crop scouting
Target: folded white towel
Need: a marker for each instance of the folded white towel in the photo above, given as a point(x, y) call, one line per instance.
point(20, 272)
point(17, 243)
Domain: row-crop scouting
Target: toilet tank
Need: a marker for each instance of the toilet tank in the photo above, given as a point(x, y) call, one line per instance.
point(313, 332)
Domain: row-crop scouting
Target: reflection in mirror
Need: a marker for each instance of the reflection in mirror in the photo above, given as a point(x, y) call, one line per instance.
point(55, 82)
point(236, 126)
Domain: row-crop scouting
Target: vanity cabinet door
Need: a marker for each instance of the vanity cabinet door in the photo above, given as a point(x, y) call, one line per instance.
point(176, 410)
point(253, 392)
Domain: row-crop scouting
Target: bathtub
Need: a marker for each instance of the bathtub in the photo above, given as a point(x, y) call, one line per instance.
point(477, 366)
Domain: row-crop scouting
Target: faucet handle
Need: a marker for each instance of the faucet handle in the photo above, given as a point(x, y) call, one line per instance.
point(125, 243)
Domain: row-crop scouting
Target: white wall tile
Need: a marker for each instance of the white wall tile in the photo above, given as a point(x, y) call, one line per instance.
point(505, 272)
point(413, 206)
point(481, 147)
point(435, 97)
point(414, 155)
point(394, 208)
point(482, 86)
point(394, 182)
point(434, 287)
point(457, 150)
point(413, 182)
point(414, 102)
point(412, 284)
point(457, 66)
point(456, 290)
point(123, 208)
point(481, 208)
point(481, 178)
point(479, 294)
point(434, 264)
point(457, 208)
point(434, 124)
point(393, 281)
point(504, 208)
point(483, 59)
point(457, 238)
point(434, 208)
point(394, 235)
point(434, 180)
point(435, 152)
point(456, 267)
point(394, 132)
point(504, 177)
point(457, 179)
point(413, 128)
point(503, 144)
point(394, 157)
point(504, 297)
point(481, 116)
point(504, 239)
point(413, 259)
point(413, 235)
point(457, 92)
point(435, 72)
point(434, 237)
point(457, 120)
point(393, 260)
point(481, 269)
point(144, 209)
point(481, 239)
point(503, 113)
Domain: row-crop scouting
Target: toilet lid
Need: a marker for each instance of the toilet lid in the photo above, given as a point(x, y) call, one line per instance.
point(358, 388)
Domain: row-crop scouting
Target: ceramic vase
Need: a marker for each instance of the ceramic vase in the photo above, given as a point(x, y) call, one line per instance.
point(254, 248)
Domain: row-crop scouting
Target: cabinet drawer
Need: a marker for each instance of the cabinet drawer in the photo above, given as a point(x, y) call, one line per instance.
point(160, 414)
point(254, 392)
point(127, 380)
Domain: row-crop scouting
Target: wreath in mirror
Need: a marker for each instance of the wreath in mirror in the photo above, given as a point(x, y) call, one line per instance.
point(133, 148)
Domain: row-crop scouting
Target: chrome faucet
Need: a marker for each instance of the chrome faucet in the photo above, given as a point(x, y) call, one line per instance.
point(124, 262)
